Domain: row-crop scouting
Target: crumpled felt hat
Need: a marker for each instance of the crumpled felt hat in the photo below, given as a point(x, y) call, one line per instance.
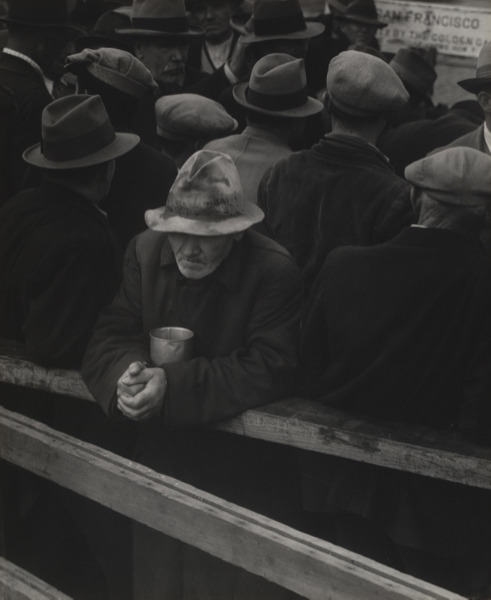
point(160, 18)
point(77, 133)
point(482, 80)
point(414, 71)
point(117, 68)
point(360, 84)
point(459, 176)
point(192, 117)
point(276, 19)
point(205, 199)
point(362, 11)
point(277, 86)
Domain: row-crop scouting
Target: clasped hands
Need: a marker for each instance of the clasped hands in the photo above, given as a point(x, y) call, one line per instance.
point(141, 391)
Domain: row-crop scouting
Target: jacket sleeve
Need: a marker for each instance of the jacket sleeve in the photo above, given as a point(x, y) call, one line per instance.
point(260, 371)
point(118, 338)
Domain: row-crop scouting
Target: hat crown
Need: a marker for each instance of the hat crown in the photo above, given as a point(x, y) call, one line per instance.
point(460, 176)
point(414, 70)
point(158, 9)
point(207, 187)
point(484, 61)
point(278, 73)
point(361, 84)
point(75, 126)
point(277, 17)
point(36, 12)
point(361, 8)
point(271, 9)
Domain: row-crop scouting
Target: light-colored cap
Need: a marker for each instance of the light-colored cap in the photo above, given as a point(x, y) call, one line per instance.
point(362, 85)
point(192, 117)
point(205, 199)
point(116, 68)
point(459, 176)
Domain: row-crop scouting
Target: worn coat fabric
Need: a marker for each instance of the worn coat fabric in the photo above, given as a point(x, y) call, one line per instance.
point(60, 263)
point(23, 96)
point(342, 191)
point(253, 151)
point(244, 316)
point(402, 331)
point(473, 139)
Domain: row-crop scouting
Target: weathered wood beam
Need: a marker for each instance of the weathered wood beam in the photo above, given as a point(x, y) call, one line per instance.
point(18, 584)
point(306, 565)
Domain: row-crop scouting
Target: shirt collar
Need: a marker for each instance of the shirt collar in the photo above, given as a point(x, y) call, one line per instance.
point(47, 82)
point(487, 137)
point(228, 273)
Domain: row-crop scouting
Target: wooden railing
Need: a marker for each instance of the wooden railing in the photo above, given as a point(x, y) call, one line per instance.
point(18, 584)
point(301, 563)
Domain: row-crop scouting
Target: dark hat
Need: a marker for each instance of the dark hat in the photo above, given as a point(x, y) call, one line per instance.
point(192, 117)
point(360, 84)
point(414, 71)
point(76, 133)
point(277, 86)
point(459, 176)
point(103, 34)
point(38, 13)
point(205, 199)
point(117, 68)
point(277, 20)
point(362, 11)
point(482, 80)
point(160, 18)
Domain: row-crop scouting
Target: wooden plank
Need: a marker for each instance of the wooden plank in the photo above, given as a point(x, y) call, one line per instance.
point(306, 565)
point(307, 425)
point(18, 584)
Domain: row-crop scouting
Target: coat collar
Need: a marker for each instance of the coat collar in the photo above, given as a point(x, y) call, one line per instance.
point(229, 273)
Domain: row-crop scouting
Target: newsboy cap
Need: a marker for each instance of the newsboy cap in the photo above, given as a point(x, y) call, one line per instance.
point(192, 117)
point(363, 85)
point(117, 68)
point(459, 176)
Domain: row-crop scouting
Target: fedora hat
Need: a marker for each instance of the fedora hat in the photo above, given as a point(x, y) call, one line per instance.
point(116, 68)
point(415, 72)
point(362, 11)
point(459, 176)
point(277, 86)
point(276, 20)
point(36, 13)
point(482, 80)
point(76, 133)
point(157, 18)
point(205, 199)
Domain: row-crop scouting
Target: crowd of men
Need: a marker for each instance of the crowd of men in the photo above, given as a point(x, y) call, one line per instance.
point(290, 194)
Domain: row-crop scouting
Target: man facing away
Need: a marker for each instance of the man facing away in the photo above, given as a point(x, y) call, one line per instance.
point(342, 190)
point(402, 331)
point(199, 266)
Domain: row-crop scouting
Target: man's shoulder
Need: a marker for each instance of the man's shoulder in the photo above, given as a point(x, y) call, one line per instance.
point(472, 139)
point(264, 246)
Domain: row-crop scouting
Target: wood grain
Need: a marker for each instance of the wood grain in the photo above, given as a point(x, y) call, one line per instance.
point(18, 584)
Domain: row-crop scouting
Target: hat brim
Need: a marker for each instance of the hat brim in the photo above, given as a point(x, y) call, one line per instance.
point(365, 20)
point(311, 30)
point(123, 143)
point(167, 221)
point(190, 33)
point(68, 26)
point(311, 107)
point(476, 84)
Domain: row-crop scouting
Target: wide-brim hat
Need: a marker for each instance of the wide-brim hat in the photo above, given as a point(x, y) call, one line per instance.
point(362, 11)
point(36, 13)
point(206, 199)
point(277, 86)
point(482, 80)
point(415, 72)
point(77, 133)
point(158, 18)
point(276, 19)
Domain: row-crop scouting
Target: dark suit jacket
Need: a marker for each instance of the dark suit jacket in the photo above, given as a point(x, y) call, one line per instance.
point(24, 88)
point(60, 263)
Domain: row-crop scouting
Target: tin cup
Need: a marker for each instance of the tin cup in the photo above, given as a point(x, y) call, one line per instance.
point(170, 344)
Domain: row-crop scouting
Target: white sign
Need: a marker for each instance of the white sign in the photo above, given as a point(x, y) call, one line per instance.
point(457, 30)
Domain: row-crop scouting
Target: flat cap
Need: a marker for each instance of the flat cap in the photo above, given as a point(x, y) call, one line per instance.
point(459, 176)
point(362, 85)
point(192, 117)
point(117, 68)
